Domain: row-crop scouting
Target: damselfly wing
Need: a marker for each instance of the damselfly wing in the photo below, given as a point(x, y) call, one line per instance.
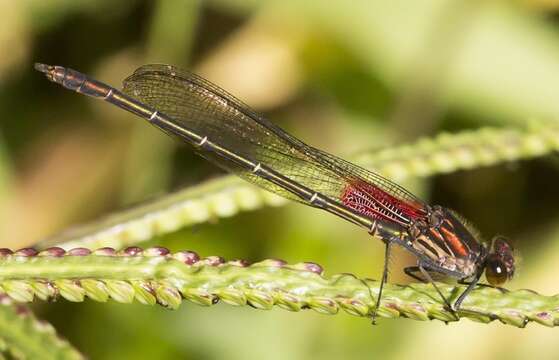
point(206, 109)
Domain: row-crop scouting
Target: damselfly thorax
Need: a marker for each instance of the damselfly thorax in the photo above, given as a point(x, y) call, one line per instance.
point(442, 239)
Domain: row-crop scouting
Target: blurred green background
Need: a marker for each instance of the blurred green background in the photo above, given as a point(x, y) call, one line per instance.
point(343, 76)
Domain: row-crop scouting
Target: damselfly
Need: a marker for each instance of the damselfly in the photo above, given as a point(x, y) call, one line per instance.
point(230, 134)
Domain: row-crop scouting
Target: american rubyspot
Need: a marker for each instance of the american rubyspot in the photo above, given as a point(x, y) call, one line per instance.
point(230, 134)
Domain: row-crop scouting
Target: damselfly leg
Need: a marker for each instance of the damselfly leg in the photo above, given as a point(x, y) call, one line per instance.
point(414, 271)
point(388, 245)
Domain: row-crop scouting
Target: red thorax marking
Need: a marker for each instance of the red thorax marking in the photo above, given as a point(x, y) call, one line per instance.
point(454, 241)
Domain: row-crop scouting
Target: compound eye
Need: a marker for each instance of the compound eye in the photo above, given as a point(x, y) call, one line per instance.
point(496, 272)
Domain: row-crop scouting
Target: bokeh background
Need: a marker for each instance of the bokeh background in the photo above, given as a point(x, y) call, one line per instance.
point(344, 76)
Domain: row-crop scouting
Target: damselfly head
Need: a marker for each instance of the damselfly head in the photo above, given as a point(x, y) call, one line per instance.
point(499, 264)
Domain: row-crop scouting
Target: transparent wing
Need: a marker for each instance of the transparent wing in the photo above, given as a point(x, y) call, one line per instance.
point(208, 110)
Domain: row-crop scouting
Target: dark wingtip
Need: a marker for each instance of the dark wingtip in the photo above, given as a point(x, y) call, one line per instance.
point(44, 68)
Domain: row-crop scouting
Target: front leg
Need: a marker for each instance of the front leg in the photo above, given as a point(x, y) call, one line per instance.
point(466, 282)
point(470, 287)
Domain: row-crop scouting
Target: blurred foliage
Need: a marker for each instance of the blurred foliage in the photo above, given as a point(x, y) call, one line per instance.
point(342, 77)
point(26, 337)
